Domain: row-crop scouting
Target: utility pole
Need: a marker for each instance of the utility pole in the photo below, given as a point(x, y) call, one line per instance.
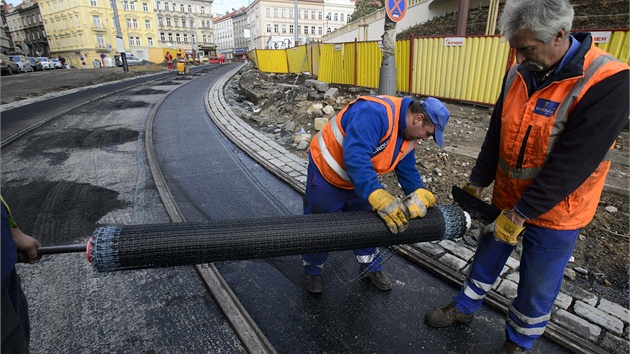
point(192, 36)
point(295, 18)
point(120, 42)
point(387, 81)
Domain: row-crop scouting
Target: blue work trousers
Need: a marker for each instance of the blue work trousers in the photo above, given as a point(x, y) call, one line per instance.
point(546, 253)
point(322, 197)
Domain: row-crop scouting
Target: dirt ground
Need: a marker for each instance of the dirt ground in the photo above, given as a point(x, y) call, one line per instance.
point(601, 257)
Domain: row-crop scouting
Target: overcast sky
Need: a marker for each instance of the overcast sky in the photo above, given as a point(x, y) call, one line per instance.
point(219, 7)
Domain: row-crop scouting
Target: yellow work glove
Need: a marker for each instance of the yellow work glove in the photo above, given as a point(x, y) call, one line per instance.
point(417, 203)
point(390, 209)
point(504, 230)
point(471, 190)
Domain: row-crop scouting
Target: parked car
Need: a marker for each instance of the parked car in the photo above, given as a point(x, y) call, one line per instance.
point(131, 60)
point(46, 63)
point(36, 64)
point(23, 63)
point(56, 63)
point(8, 66)
point(217, 60)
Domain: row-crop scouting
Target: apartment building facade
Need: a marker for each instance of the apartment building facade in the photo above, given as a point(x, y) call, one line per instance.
point(273, 22)
point(185, 26)
point(26, 30)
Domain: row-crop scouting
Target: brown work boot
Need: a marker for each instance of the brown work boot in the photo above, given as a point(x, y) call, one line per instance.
point(380, 280)
point(511, 348)
point(446, 316)
point(313, 284)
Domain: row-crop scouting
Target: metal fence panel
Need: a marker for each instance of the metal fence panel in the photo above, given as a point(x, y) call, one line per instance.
point(458, 68)
point(272, 61)
point(298, 59)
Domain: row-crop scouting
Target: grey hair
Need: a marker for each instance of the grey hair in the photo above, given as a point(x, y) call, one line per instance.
point(543, 18)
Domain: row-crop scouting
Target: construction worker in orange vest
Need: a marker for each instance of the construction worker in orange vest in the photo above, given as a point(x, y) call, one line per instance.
point(371, 136)
point(562, 106)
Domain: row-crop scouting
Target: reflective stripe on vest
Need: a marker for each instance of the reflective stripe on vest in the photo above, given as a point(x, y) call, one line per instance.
point(562, 115)
point(339, 137)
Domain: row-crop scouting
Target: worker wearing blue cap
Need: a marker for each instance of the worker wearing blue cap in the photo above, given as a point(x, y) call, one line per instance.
point(369, 137)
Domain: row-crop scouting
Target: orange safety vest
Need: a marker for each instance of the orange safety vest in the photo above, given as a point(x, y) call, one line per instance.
point(326, 148)
point(538, 134)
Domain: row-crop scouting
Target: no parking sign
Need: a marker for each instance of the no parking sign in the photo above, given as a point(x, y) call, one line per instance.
point(396, 9)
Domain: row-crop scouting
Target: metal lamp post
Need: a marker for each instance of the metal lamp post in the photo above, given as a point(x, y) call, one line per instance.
point(119, 39)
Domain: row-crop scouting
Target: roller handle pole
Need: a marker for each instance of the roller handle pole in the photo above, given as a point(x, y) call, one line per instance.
point(62, 249)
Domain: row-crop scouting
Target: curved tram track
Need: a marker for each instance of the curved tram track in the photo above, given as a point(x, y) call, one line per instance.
point(249, 333)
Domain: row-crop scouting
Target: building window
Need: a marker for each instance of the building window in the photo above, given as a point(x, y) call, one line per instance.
point(150, 41)
point(268, 12)
point(162, 37)
point(166, 6)
point(184, 22)
point(320, 30)
point(341, 17)
point(168, 22)
point(284, 28)
point(336, 18)
point(320, 15)
point(100, 41)
point(96, 20)
point(312, 15)
point(284, 13)
point(203, 10)
point(305, 29)
point(313, 29)
point(134, 23)
point(128, 23)
point(269, 28)
point(290, 13)
point(145, 7)
point(275, 28)
point(177, 38)
point(275, 12)
point(160, 22)
point(170, 37)
point(147, 24)
point(182, 8)
point(290, 28)
point(93, 3)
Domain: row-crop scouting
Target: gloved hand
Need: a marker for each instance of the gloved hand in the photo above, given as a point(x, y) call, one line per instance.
point(416, 203)
point(504, 230)
point(390, 209)
point(472, 189)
